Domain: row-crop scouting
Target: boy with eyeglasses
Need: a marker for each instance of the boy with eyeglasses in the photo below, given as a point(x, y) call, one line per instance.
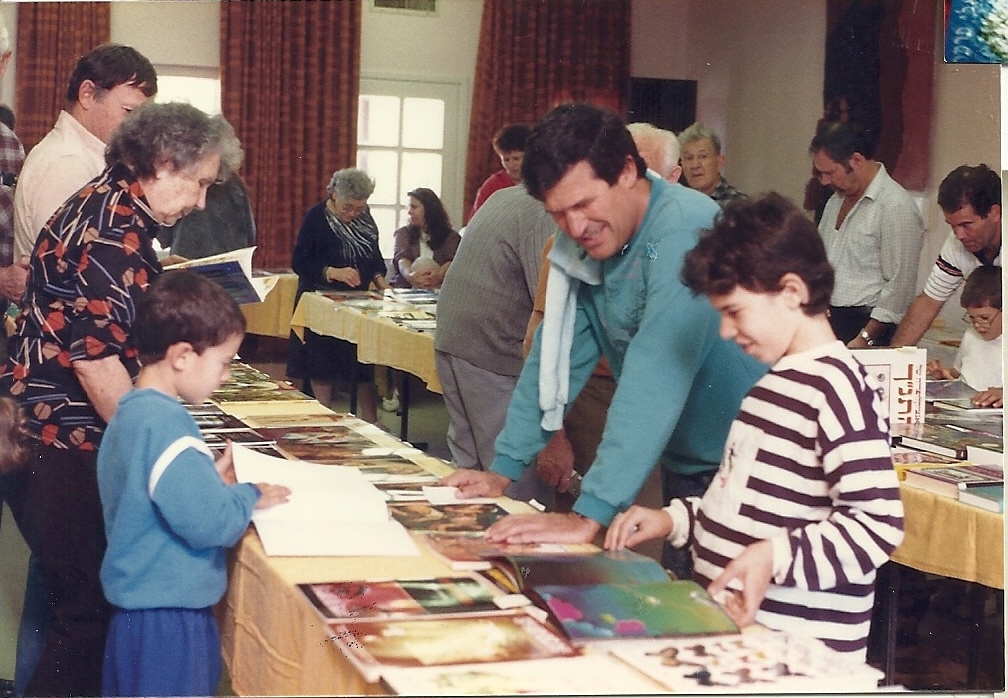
point(978, 361)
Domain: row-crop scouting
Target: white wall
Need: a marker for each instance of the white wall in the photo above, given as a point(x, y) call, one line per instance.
point(765, 109)
point(170, 32)
point(436, 48)
point(966, 130)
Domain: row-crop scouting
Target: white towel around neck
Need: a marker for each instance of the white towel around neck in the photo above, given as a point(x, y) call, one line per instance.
point(569, 267)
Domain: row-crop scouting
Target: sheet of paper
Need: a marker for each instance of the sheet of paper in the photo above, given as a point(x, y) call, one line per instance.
point(332, 510)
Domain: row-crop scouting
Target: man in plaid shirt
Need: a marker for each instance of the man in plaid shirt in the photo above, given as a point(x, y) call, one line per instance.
point(12, 276)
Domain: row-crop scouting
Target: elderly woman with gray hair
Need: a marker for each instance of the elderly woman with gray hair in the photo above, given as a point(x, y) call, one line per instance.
point(73, 356)
point(337, 249)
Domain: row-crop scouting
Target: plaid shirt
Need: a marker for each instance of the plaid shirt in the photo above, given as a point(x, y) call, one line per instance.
point(11, 159)
point(725, 193)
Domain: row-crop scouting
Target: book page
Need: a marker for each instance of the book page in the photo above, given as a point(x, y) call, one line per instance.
point(332, 510)
point(233, 271)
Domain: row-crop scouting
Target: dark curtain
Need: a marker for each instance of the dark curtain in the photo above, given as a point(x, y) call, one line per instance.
point(51, 37)
point(535, 54)
point(289, 86)
point(879, 73)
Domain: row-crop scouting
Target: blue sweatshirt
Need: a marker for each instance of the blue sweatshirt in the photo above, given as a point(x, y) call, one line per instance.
point(679, 385)
point(168, 515)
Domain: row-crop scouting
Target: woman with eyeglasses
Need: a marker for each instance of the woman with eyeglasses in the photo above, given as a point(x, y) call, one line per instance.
point(337, 249)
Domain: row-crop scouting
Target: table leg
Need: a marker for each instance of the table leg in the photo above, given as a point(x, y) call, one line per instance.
point(354, 380)
point(890, 589)
point(404, 396)
point(976, 596)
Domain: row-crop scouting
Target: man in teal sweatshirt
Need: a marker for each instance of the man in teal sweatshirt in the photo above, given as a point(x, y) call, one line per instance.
point(614, 290)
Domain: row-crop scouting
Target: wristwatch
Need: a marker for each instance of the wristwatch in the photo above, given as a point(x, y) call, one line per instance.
point(866, 337)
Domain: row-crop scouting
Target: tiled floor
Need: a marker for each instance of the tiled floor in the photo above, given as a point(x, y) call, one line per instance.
point(932, 653)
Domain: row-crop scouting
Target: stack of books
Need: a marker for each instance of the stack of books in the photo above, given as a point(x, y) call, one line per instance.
point(955, 456)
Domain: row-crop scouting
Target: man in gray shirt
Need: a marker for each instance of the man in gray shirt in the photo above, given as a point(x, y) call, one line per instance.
point(483, 310)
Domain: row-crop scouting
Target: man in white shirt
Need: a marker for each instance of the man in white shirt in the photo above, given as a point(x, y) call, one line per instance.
point(873, 232)
point(970, 198)
point(107, 84)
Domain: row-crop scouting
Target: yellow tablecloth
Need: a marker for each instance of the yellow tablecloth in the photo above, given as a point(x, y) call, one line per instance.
point(946, 537)
point(379, 341)
point(272, 317)
point(273, 642)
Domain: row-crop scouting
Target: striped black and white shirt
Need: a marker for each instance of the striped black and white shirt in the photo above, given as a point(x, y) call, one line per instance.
point(807, 466)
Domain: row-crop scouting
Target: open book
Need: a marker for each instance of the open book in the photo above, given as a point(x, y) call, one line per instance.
point(332, 510)
point(233, 271)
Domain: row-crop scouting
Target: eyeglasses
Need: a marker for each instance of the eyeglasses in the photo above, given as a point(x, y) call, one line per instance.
point(350, 208)
point(980, 321)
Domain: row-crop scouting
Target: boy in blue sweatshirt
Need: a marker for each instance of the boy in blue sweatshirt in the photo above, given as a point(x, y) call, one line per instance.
point(170, 510)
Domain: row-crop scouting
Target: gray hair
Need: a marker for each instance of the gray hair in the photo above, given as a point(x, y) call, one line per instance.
point(351, 183)
point(5, 44)
point(665, 143)
point(697, 132)
point(173, 135)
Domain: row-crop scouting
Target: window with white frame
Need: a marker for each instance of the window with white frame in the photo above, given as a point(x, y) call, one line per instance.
point(200, 87)
point(406, 138)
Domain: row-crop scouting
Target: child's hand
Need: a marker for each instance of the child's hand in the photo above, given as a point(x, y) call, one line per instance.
point(936, 370)
point(271, 495)
point(992, 397)
point(636, 525)
point(225, 466)
point(753, 570)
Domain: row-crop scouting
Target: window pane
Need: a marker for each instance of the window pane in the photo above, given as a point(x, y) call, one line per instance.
point(202, 93)
point(385, 217)
point(382, 166)
point(423, 123)
point(421, 170)
point(377, 120)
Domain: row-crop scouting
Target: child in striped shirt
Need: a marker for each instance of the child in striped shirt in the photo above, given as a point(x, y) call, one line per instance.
point(805, 506)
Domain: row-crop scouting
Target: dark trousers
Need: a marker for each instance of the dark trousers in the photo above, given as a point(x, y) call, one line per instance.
point(35, 611)
point(848, 321)
point(63, 525)
point(680, 560)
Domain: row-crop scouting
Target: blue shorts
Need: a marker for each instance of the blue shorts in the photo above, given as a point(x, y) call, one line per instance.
point(162, 652)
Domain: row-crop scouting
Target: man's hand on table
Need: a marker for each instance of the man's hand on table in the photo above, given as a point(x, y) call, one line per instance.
point(543, 528)
point(476, 483)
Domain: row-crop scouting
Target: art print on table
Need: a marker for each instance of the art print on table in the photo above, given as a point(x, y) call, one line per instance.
point(449, 518)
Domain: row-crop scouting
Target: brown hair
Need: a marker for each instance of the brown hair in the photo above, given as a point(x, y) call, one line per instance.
point(753, 244)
